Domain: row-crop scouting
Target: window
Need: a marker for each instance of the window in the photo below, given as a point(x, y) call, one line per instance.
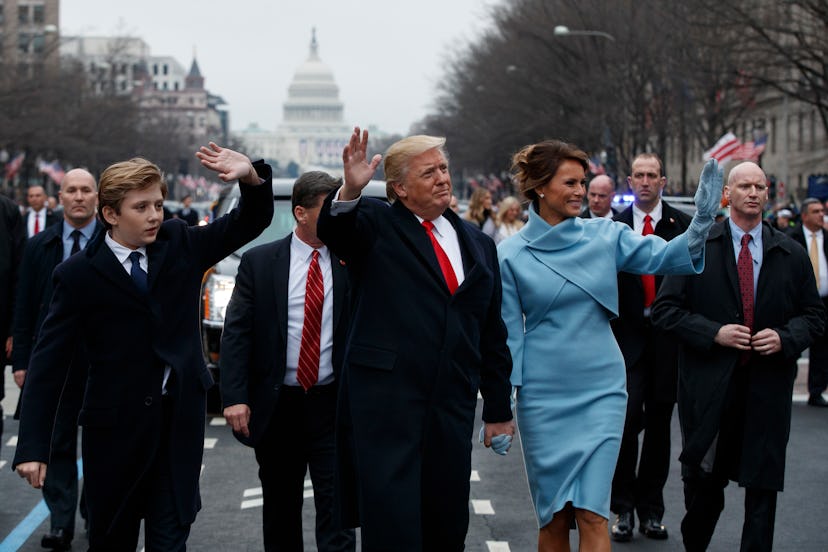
point(154, 68)
point(39, 13)
point(2, 15)
point(23, 41)
point(38, 43)
point(23, 14)
point(166, 69)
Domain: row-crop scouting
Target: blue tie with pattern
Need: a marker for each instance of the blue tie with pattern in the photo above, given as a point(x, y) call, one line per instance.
point(137, 273)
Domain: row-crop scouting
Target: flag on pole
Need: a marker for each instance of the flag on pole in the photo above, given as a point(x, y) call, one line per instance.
point(14, 165)
point(723, 150)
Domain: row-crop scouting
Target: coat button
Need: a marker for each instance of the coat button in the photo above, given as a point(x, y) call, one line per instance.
point(148, 401)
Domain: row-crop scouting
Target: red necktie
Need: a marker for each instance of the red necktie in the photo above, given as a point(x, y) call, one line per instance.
point(442, 258)
point(37, 224)
point(648, 280)
point(744, 266)
point(308, 370)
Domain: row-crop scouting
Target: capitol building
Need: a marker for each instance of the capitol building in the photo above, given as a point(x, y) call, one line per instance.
point(312, 134)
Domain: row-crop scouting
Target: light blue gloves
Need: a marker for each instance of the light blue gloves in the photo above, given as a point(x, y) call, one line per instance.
point(500, 443)
point(708, 198)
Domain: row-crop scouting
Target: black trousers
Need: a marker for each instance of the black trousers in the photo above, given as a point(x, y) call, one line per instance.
point(300, 436)
point(704, 502)
point(638, 483)
point(60, 491)
point(153, 501)
point(818, 365)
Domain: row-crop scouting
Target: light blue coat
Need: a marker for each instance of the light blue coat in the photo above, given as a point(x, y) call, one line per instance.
point(559, 294)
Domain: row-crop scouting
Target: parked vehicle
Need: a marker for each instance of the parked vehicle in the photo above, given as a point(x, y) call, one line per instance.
point(219, 281)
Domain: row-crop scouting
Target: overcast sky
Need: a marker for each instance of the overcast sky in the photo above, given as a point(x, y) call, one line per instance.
point(386, 55)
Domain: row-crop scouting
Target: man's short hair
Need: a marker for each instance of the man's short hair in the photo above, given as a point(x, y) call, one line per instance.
point(309, 186)
point(123, 177)
point(649, 156)
point(401, 152)
point(807, 201)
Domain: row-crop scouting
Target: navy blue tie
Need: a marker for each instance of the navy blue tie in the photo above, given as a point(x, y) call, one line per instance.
point(76, 235)
point(137, 273)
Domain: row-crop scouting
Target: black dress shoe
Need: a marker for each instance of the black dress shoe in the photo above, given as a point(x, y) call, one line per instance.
point(653, 529)
point(817, 400)
point(622, 529)
point(57, 539)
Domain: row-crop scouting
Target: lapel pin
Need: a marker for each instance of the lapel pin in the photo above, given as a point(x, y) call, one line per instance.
point(341, 262)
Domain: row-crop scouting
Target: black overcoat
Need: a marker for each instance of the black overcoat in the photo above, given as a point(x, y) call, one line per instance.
point(129, 338)
point(415, 358)
point(695, 307)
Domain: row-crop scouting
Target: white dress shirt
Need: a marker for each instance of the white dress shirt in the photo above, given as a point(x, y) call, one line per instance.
point(30, 221)
point(638, 217)
point(300, 259)
point(822, 285)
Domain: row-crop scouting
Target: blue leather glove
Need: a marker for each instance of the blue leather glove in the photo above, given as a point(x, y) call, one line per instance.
point(500, 443)
point(708, 198)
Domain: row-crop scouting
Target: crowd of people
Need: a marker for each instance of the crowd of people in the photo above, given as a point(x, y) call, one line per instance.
point(581, 326)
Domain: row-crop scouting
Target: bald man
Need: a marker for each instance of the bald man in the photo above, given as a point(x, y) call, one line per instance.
point(741, 323)
point(600, 193)
point(79, 198)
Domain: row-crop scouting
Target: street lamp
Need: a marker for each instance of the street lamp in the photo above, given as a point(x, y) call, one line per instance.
point(563, 30)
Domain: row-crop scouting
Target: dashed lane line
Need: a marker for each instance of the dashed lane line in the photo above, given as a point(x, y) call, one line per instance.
point(218, 421)
point(12, 442)
point(482, 507)
point(475, 476)
point(498, 546)
point(210, 442)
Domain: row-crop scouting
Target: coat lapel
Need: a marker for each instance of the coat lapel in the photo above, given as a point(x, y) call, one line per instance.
point(281, 273)
point(415, 236)
point(156, 254)
point(103, 260)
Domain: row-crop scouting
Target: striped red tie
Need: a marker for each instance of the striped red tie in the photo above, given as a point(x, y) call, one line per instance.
point(308, 370)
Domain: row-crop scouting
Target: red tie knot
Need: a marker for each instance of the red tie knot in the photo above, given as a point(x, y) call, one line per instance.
point(428, 225)
point(746, 239)
point(647, 218)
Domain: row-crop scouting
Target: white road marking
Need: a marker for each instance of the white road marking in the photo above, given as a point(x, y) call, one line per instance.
point(252, 503)
point(475, 476)
point(202, 471)
point(800, 397)
point(218, 421)
point(307, 494)
point(308, 484)
point(210, 442)
point(498, 546)
point(12, 442)
point(255, 491)
point(2, 463)
point(479, 396)
point(483, 507)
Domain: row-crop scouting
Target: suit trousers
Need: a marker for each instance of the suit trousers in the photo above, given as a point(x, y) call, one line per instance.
point(818, 364)
point(704, 502)
point(638, 483)
point(60, 491)
point(300, 436)
point(153, 501)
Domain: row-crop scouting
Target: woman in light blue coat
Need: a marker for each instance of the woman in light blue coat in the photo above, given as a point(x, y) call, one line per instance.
point(559, 294)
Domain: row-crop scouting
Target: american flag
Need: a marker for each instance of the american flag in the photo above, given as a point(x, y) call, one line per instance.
point(53, 170)
point(723, 150)
point(595, 166)
point(14, 165)
point(750, 151)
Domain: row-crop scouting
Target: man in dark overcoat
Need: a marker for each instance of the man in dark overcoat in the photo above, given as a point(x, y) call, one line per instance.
point(742, 324)
point(131, 300)
point(650, 361)
point(425, 336)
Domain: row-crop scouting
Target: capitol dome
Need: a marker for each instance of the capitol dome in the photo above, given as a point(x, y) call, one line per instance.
point(313, 96)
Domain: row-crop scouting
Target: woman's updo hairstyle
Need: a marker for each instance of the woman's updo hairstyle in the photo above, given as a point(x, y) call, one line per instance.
point(534, 165)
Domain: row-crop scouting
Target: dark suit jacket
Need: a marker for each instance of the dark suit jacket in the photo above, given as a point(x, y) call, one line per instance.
point(696, 307)
point(416, 355)
point(254, 339)
point(129, 338)
point(191, 218)
point(631, 328)
point(12, 242)
point(34, 294)
point(586, 214)
point(52, 219)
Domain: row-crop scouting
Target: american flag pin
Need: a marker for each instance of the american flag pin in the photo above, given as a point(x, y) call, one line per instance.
point(672, 220)
point(341, 262)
